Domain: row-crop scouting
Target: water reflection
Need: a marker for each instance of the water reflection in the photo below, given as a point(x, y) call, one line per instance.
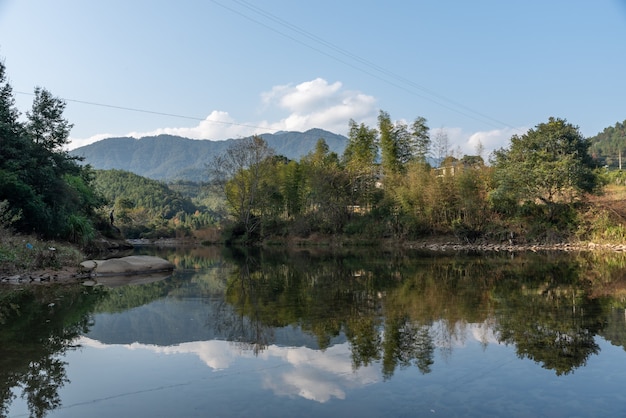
point(37, 326)
point(320, 324)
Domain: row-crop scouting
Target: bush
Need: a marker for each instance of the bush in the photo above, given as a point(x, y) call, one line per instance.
point(79, 230)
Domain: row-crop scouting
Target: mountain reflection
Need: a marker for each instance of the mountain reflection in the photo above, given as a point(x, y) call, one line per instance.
point(323, 323)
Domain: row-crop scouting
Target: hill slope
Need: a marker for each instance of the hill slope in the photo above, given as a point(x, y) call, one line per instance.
point(168, 158)
point(608, 144)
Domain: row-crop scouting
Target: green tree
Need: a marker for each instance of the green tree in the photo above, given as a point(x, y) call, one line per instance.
point(326, 190)
point(548, 164)
point(359, 159)
point(389, 145)
point(400, 145)
point(37, 177)
point(420, 143)
point(45, 123)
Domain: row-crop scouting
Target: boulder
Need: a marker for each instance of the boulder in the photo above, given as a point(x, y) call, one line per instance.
point(126, 266)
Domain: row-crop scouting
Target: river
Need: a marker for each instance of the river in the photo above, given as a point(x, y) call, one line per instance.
point(315, 333)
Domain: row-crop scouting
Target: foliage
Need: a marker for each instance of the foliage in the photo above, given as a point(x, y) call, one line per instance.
point(7, 215)
point(531, 192)
point(147, 208)
point(607, 146)
point(548, 164)
point(44, 186)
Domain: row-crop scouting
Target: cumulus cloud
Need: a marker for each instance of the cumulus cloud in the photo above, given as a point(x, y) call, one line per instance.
point(318, 104)
point(311, 104)
point(307, 97)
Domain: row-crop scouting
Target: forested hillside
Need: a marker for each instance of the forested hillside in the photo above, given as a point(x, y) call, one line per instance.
point(145, 207)
point(608, 144)
point(171, 158)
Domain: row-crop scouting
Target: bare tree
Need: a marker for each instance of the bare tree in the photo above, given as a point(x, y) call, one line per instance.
point(239, 172)
point(441, 146)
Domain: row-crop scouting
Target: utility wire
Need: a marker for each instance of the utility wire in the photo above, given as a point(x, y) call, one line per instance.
point(153, 112)
point(483, 118)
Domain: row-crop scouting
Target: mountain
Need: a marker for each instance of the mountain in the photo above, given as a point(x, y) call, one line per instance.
point(168, 157)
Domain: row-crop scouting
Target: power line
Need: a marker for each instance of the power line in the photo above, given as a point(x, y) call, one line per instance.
point(153, 112)
point(400, 79)
point(483, 118)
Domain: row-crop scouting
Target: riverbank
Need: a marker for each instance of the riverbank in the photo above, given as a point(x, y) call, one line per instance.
point(73, 273)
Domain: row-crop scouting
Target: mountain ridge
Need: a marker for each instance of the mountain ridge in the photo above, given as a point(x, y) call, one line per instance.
point(171, 157)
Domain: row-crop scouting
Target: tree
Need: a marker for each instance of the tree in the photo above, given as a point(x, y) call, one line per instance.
point(359, 159)
point(389, 146)
point(240, 171)
point(549, 164)
point(326, 189)
point(400, 145)
point(46, 124)
point(420, 139)
point(37, 177)
point(441, 146)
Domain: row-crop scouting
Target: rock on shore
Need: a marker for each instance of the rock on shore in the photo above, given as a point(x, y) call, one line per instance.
point(131, 265)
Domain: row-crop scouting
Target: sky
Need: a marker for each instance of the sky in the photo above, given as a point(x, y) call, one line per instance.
point(479, 71)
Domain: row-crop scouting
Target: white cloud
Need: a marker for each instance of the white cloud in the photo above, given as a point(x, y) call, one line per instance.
point(468, 143)
point(318, 104)
point(311, 104)
point(307, 97)
point(80, 142)
point(494, 139)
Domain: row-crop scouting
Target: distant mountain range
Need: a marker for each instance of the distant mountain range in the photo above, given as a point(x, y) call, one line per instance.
point(169, 158)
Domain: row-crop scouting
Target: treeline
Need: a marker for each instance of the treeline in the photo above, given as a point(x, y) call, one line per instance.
point(43, 190)
point(384, 186)
point(609, 146)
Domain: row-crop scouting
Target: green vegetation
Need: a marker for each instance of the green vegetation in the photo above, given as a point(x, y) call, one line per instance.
point(391, 182)
point(172, 158)
point(44, 190)
point(608, 147)
point(144, 208)
point(383, 186)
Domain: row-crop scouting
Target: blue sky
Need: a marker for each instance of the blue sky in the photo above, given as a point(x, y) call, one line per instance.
point(481, 70)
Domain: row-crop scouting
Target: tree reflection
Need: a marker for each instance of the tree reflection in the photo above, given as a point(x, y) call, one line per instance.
point(549, 317)
point(407, 343)
point(33, 336)
point(398, 310)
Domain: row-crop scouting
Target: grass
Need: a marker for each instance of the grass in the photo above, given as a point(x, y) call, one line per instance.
point(23, 253)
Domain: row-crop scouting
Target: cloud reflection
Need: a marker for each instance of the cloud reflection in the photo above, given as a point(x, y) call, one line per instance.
point(311, 374)
point(298, 371)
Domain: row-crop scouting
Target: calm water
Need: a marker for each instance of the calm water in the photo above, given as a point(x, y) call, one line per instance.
point(315, 334)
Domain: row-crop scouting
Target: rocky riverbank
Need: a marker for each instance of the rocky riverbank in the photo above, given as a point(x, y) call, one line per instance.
point(76, 274)
point(568, 247)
